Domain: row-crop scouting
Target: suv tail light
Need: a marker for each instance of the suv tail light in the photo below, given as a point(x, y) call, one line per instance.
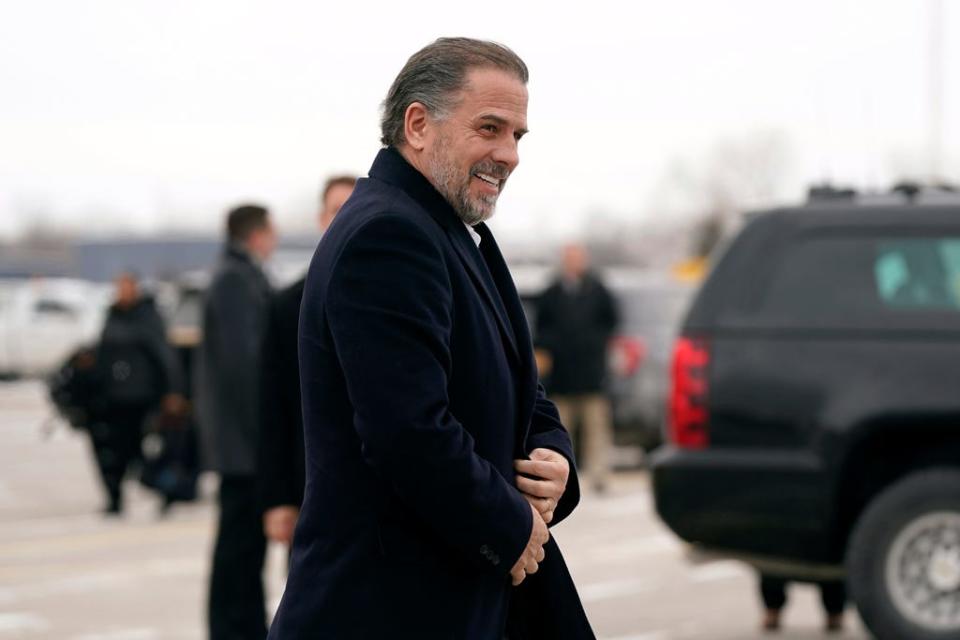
point(687, 416)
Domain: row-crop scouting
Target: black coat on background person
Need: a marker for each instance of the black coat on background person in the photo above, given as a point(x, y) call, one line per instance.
point(137, 366)
point(574, 322)
point(419, 391)
point(282, 474)
point(234, 318)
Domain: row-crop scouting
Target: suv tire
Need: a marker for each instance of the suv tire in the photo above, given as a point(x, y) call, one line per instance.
point(903, 560)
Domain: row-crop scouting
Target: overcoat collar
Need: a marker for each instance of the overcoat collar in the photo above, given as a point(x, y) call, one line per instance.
point(392, 168)
point(236, 251)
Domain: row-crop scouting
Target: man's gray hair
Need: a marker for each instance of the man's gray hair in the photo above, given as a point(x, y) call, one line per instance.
point(435, 75)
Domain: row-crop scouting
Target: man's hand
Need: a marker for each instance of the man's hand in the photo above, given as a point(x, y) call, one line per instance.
point(174, 404)
point(533, 555)
point(549, 471)
point(279, 523)
point(544, 361)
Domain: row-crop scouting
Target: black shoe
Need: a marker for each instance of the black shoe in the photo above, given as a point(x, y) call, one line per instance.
point(834, 623)
point(165, 507)
point(771, 620)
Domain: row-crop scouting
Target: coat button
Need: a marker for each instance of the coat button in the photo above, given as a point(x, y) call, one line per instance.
point(488, 553)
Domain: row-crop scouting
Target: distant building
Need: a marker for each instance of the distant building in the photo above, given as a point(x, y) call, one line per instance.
point(155, 259)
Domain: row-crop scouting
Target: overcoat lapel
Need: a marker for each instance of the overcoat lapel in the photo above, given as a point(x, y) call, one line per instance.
point(527, 387)
point(479, 273)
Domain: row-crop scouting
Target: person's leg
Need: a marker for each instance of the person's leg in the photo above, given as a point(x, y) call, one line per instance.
point(130, 439)
point(236, 606)
point(834, 597)
point(122, 446)
point(569, 416)
point(773, 590)
point(565, 409)
point(106, 454)
point(570, 409)
point(598, 438)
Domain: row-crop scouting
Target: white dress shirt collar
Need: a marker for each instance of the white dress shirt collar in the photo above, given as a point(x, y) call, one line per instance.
point(473, 234)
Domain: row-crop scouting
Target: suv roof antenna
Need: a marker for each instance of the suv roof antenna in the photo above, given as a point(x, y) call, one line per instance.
point(827, 193)
point(909, 189)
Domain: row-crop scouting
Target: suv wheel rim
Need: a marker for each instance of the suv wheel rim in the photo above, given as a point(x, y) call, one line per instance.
point(923, 571)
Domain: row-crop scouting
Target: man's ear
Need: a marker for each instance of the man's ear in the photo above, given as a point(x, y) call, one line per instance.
point(415, 125)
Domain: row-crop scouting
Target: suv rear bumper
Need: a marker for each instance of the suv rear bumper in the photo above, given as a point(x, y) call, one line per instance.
point(745, 501)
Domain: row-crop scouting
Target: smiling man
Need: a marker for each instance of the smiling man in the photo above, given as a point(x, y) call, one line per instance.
point(434, 462)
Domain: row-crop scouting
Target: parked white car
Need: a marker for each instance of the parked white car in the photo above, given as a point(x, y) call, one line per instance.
point(43, 320)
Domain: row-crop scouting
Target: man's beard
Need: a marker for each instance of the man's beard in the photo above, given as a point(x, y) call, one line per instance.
point(455, 188)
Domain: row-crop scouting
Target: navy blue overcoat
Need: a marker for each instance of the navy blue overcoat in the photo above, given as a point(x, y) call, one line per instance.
point(419, 391)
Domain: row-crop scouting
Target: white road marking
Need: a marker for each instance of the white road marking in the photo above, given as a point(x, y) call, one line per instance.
point(722, 570)
point(15, 622)
point(106, 580)
point(123, 634)
point(649, 635)
point(637, 502)
point(614, 589)
point(8, 497)
point(646, 545)
point(605, 552)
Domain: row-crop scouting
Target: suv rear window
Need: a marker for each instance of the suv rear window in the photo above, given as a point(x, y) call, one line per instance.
point(872, 282)
point(919, 273)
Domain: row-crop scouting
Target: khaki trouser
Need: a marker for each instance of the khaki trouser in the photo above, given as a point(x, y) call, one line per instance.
point(592, 412)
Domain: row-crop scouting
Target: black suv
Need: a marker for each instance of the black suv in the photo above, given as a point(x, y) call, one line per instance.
point(814, 417)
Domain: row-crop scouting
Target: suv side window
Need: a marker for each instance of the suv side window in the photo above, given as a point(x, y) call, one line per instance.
point(852, 281)
point(919, 273)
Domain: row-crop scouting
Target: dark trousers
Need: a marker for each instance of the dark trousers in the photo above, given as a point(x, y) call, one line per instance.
point(833, 593)
point(116, 436)
point(236, 605)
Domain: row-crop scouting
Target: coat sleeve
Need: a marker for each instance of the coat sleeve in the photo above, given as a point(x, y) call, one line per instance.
point(547, 432)
point(163, 354)
point(278, 420)
point(609, 310)
point(389, 310)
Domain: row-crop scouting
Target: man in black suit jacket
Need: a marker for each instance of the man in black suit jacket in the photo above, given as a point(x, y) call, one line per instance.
point(434, 460)
point(282, 474)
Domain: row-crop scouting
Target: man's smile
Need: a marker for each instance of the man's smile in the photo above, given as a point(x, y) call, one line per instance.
point(489, 181)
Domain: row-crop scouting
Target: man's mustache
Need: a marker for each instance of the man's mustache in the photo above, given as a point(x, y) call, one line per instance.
point(491, 169)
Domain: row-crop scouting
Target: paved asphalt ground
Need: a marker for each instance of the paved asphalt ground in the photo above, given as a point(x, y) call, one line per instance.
point(66, 573)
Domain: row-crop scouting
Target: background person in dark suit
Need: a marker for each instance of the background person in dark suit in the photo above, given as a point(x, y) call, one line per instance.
point(423, 516)
point(282, 474)
point(576, 317)
point(234, 318)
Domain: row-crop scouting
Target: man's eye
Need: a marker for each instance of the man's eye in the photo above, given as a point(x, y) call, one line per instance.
point(490, 128)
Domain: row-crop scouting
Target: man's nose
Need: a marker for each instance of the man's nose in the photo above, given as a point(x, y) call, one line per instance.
point(507, 153)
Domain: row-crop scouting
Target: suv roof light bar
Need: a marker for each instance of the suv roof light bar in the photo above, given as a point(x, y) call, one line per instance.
point(902, 193)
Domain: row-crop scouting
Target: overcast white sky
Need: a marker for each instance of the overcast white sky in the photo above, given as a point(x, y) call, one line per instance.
point(138, 115)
